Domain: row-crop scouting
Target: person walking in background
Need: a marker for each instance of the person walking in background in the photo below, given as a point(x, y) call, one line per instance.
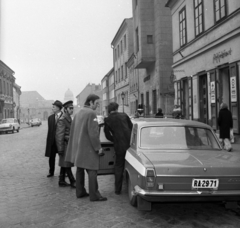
point(225, 123)
point(118, 128)
point(159, 114)
point(51, 148)
point(84, 148)
point(62, 138)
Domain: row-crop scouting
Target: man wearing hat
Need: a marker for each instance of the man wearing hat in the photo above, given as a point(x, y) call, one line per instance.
point(51, 148)
point(62, 138)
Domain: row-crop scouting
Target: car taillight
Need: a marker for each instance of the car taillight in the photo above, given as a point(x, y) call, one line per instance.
point(150, 178)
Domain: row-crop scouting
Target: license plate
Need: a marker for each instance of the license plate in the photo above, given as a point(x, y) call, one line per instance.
point(205, 183)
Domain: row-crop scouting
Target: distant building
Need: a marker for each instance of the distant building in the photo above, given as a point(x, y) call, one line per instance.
point(122, 45)
point(89, 89)
point(7, 81)
point(107, 91)
point(33, 105)
point(16, 100)
point(68, 96)
point(206, 58)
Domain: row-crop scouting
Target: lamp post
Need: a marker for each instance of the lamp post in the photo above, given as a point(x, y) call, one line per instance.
point(122, 96)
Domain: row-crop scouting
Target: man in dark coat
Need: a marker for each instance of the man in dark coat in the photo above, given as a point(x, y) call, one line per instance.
point(84, 147)
point(159, 114)
point(62, 138)
point(51, 148)
point(225, 122)
point(118, 128)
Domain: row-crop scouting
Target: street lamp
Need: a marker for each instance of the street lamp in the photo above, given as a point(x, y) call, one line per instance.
point(122, 96)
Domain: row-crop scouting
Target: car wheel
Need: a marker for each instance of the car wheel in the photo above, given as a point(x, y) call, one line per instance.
point(31, 125)
point(18, 129)
point(13, 130)
point(131, 196)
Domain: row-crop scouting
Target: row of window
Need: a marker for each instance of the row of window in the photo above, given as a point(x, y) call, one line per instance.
point(121, 73)
point(6, 88)
point(119, 49)
point(219, 13)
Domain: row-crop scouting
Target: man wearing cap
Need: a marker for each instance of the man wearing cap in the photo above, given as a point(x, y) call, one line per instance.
point(51, 148)
point(84, 149)
point(62, 137)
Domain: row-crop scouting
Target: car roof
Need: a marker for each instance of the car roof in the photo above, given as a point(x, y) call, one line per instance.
point(143, 122)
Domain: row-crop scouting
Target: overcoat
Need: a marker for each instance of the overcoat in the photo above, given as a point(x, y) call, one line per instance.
point(84, 142)
point(118, 128)
point(50, 144)
point(225, 123)
point(62, 138)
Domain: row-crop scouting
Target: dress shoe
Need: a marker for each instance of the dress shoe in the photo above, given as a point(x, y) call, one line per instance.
point(50, 175)
point(73, 184)
point(84, 195)
point(100, 199)
point(63, 184)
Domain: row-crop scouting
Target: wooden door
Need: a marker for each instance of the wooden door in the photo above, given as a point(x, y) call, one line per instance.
point(203, 99)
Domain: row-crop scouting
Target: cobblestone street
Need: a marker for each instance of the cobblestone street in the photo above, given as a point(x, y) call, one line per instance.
point(29, 199)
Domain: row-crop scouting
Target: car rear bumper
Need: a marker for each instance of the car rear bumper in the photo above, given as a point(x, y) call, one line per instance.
point(176, 196)
point(6, 129)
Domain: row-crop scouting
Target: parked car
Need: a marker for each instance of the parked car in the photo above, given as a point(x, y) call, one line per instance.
point(172, 160)
point(9, 125)
point(35, 122)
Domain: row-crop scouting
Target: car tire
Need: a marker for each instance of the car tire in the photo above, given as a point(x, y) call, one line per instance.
point(132, 198)
point(31, 125)
point(13, 130)
point(18, 130)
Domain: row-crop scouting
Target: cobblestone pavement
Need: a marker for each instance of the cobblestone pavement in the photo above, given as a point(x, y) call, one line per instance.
point(29, 199)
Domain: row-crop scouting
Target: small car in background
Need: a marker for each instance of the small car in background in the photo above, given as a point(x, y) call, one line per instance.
point(35, 122)
point(9, 125)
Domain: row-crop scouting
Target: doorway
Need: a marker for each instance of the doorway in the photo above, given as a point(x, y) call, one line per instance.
point(203, 99)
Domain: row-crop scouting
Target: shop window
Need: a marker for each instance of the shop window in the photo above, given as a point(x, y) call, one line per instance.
point(182, 27)
point(220, 9)
point(198, 16)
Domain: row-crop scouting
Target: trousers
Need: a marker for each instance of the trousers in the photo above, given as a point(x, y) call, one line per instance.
point(94, 194)
point(119, 169)
point(52, 160)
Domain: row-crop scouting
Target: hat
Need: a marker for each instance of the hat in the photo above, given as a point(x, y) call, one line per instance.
point(67, 104)
point(58, 104)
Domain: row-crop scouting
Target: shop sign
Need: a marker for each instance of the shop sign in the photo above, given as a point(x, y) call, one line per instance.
point(213, 97)
point(233, 88)
point(220, 55)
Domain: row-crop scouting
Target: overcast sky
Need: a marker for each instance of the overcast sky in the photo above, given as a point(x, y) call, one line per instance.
point(53, 45)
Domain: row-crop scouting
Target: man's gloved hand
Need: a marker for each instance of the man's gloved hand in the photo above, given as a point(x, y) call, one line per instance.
point(100, 152)
point(60, 153)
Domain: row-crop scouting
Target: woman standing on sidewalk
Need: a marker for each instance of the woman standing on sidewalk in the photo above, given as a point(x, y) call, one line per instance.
point(225, 123)
point(62, 137)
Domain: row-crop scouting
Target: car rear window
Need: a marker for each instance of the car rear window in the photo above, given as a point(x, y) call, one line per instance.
point(171, 137)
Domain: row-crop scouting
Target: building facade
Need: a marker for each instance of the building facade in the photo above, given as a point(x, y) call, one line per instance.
point(153, 56)
point(16, 100)
point(7, 81)
point(206, 58)
point(89, 89)
point(107, 84)
point(122, 45)
point(33, 105)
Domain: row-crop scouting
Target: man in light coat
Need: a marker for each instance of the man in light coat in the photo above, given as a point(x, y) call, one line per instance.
point(84, 148)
